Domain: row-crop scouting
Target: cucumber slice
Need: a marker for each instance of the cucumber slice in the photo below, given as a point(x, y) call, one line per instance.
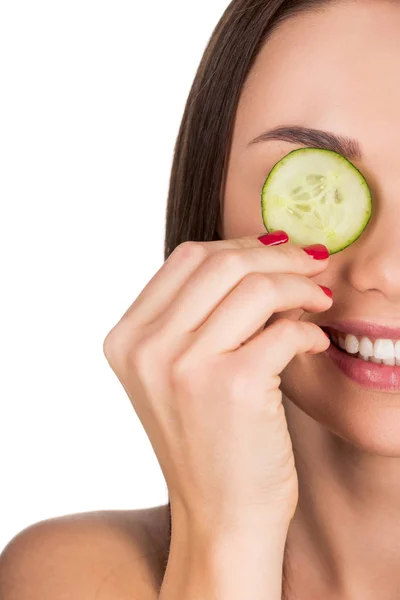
point(316, 196)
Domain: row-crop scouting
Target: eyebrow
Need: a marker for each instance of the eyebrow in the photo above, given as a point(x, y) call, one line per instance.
point(313, 138)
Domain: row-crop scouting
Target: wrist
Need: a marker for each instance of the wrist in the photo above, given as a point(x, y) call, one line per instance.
point(257, 553)
point(216, 523)
point(228, 563)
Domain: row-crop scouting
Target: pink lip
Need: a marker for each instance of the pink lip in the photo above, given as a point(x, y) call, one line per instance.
point(376, 376)
point(367, 328)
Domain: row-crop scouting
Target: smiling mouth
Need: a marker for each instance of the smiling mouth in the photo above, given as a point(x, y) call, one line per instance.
point(350, 347)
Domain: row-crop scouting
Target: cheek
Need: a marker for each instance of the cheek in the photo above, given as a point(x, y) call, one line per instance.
point(242, 218)
point(335, 405)
point(242, 201)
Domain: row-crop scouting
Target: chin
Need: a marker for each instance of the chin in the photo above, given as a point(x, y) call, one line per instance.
point(321, 401)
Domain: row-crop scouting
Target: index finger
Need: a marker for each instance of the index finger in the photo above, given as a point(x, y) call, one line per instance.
point(192, 260)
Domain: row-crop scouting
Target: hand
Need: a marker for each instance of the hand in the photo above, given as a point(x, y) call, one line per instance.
point(200, 364)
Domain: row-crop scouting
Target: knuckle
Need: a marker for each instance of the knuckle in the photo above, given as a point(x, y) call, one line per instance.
point(142, 354)
point(294, 253)
point(187, 372)
point(260, 282)
point(112, 345)
point(182, 370)
point(108, 344)
point(232, 260)
point(286, 326)
point(191, 251)
point(120, 345)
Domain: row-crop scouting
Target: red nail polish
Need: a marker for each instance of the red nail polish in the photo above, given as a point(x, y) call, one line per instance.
point(274, 238)
point(326, 334)
point(327, 291)
point(317, 251)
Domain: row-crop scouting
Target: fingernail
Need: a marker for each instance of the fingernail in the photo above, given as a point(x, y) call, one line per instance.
point(317, 251)
point(327, 291)
point(326, 334)
point(274, 238)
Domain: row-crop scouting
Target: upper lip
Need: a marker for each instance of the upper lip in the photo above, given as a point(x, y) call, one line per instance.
point(364, 328)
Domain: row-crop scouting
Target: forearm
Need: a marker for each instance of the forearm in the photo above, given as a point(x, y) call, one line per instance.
point(241, 564)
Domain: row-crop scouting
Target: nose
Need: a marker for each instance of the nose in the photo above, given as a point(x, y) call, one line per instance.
point(375, 260)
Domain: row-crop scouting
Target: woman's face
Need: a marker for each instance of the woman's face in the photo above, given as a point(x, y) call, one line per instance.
point(337, 70)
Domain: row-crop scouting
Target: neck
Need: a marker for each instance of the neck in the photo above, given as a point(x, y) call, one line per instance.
point(344, 539)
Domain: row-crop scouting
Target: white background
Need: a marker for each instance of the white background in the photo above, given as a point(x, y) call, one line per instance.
point(91, 97)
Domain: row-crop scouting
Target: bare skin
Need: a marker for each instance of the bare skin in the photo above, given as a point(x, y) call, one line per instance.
point(344, 537)
point(105, 555)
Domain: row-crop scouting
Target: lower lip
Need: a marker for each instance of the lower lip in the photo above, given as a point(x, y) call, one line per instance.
point(370, 375)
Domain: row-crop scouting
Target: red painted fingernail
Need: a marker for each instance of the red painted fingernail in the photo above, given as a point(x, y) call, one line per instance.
point(317, 251)
point(274, 238)
point(327, 291)
point(326, 334)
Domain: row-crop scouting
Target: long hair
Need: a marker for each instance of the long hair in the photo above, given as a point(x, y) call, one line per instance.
point(202, 149)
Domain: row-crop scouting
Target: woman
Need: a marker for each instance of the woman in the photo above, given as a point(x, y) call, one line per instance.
point(282, 465)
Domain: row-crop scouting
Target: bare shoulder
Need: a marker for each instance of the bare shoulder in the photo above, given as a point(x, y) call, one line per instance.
point(105, 555)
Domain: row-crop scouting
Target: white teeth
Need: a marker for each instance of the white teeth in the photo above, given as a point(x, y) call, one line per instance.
point(366, 348)
point(384, 349)
point(380, 351)
point(389, 361)
point(375, 360)
point(351, 344)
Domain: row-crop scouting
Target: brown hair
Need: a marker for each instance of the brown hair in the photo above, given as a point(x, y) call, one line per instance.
point(203, 144)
